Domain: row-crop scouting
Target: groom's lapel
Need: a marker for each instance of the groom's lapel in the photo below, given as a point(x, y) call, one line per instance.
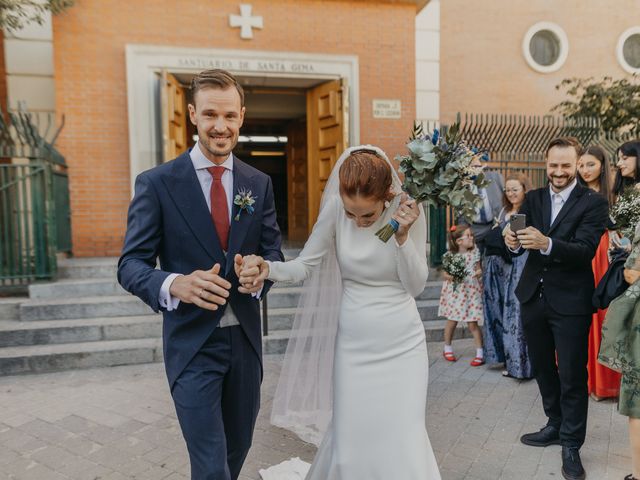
point(239, 227)
point(546, 211)
point(185, 191)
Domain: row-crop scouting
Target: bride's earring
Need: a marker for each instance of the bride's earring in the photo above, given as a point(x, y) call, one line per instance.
point(386, 204)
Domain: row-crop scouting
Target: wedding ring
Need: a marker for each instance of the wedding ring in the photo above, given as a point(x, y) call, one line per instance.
point(403, 214)
point(201, 292)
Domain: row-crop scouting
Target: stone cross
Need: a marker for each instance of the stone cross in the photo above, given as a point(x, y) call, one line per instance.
point(245, 21)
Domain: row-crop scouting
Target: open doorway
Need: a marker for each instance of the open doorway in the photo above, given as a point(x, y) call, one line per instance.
point(294, 131)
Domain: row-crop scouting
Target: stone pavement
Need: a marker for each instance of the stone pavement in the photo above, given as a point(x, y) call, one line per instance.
point(119, 423)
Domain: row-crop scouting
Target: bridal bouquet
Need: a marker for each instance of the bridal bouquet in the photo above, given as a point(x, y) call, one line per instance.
point(454, 265)
point(626, 212)
point(438, 172)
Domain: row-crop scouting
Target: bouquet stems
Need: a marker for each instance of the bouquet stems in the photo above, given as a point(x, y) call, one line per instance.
point(386, 232)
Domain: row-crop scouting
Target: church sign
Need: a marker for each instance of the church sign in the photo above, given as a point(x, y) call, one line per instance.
point(250, 65)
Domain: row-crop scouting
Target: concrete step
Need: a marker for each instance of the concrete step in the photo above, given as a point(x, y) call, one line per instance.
point(431, 291)
point(276, 341)
point(283, 297)
point(88, 307)
point(282, 318)
point(68, 288)
point(16, 333)
point(279, 296)
point(106, 267)
point(10, 307)
point(436, 274)
point(288, 296)
point(92, 267)
point(52, 358)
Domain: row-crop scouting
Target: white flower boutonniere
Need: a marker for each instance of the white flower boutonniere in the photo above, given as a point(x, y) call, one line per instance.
point(245, 200)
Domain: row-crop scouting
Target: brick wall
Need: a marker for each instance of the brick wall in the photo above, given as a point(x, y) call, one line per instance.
point(89, 42)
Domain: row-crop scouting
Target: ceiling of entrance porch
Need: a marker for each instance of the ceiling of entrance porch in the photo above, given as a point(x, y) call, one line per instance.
point(270, 97)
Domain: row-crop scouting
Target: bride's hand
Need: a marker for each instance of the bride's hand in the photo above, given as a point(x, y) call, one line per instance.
point(406, 215)
point(252, 271)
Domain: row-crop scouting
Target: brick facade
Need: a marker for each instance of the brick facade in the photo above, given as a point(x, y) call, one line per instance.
point(89, 56)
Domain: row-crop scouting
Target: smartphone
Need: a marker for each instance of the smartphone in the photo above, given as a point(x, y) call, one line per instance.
point(518, 222)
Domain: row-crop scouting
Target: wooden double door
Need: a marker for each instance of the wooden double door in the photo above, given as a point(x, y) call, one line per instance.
point(313, 146)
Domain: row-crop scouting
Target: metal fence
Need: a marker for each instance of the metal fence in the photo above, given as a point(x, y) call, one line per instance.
point(27, 227)
point(33, 192)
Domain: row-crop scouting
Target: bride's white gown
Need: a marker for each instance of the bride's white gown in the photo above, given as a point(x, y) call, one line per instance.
point(381, 366)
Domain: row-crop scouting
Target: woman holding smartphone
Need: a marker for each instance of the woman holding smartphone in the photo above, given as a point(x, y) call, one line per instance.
point(504, 338)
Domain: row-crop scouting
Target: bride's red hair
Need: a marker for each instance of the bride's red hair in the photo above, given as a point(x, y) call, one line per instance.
point(366, 174)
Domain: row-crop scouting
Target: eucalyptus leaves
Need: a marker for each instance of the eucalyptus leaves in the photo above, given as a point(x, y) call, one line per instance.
point(439, 171)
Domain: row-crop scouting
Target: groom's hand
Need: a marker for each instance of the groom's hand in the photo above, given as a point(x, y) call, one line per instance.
point(511, 239)
point(252, 271)
point(533, 239)
point(205, 288)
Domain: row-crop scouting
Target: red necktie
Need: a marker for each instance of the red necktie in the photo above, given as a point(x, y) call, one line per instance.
point(219, 207)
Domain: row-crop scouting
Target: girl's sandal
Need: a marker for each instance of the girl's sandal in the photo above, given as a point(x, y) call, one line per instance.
point(449, 356)
point(476, 362)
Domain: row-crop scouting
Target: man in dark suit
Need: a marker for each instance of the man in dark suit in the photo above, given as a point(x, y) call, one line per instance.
point(564, 224)
point(184, 213)
point(492, 202)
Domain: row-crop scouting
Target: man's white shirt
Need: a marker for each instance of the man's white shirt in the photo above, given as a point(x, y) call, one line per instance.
point(200, 164)
point(557, 202)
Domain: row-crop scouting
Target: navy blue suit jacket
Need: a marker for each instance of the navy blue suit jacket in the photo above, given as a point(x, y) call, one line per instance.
point(169, 220)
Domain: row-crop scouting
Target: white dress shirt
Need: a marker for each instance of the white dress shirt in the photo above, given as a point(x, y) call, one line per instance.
point(557, 202)
point(200, 164)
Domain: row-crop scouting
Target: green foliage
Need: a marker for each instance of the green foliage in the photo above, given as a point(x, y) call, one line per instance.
point(615, 103)
point(15, 14)
point(438, 172)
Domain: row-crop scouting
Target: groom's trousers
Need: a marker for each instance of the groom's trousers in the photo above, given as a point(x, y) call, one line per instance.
point(558, 348)
point(217, 398)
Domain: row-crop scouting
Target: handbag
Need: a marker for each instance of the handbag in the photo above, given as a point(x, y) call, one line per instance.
point(612, 284)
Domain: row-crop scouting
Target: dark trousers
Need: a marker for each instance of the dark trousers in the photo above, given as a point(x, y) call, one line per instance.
point(563, 385)
point(217, 398)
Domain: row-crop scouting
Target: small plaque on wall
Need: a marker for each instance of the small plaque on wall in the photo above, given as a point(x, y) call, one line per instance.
point(386, 108)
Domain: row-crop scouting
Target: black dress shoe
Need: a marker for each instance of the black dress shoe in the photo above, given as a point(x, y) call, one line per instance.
point(630, 477)
point(547, 436)
point(571, 464)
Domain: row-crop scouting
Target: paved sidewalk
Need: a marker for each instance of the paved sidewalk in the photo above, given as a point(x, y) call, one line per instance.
point(119, 423)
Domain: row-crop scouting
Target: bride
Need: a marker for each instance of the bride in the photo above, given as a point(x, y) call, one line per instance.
point(355, 372)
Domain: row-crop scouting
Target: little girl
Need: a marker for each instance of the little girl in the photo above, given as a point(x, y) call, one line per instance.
point(464, 302)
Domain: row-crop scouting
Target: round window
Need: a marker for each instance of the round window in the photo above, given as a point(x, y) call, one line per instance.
point(545, 47)
point(628, 51)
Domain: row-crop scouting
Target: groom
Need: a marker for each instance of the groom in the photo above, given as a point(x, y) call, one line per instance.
point(564, 224)
point(184, 213)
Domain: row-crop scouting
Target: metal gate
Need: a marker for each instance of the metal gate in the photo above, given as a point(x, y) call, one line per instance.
point(34, 200)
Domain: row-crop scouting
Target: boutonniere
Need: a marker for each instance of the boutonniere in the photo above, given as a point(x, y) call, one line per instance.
point(245, 200)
